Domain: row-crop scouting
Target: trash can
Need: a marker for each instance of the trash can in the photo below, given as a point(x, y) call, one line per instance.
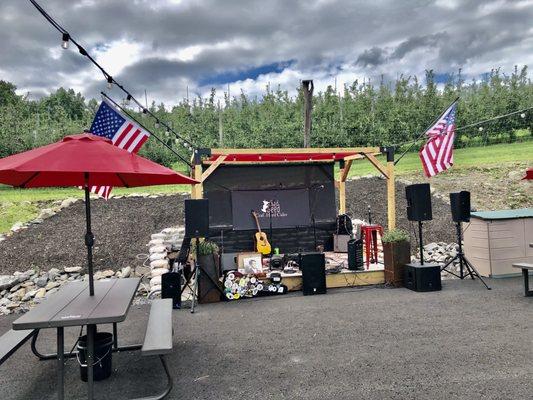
point(103, 350)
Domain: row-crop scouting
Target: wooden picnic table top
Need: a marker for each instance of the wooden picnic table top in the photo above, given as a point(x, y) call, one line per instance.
point(73, 306)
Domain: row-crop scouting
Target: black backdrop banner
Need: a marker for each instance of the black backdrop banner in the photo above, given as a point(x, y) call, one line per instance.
point(289, 207)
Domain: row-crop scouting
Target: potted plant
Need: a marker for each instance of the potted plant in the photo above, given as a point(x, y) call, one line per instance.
point(396, 253)
point(209, 261)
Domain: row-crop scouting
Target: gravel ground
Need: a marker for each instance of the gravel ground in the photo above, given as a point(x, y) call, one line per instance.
point(463, 342)
point(122, 228)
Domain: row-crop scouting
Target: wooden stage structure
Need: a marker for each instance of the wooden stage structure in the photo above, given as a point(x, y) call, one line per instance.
point(206, 161)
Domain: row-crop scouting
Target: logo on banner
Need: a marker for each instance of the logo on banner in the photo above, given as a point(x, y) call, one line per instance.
point(272, 207)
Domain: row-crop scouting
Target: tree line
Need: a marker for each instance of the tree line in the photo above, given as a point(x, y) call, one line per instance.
point(360, 114)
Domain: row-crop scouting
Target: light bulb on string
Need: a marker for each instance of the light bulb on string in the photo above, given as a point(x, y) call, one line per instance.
point(145, 111)
point(156, 124)
point(66, 39)
point(480, 129)
point(523, 115)
point(128, 100)
point(110, 82)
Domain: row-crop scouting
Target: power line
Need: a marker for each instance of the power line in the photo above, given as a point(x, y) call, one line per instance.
point(66, 38)
point(421, 137)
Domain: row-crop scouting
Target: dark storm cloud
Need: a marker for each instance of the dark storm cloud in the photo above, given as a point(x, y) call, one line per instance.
point(244, 35)
point(372, 57)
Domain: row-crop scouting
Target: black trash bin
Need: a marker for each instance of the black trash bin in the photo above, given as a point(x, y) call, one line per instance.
point(103, 350)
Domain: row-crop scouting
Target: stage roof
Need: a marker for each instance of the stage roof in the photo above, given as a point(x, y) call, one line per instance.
point(287, 155)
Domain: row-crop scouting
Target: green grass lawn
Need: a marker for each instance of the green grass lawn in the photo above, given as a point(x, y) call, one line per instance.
point(463, 158)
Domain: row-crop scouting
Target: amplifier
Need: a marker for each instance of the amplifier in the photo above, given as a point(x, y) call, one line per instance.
point(313, 267)
point(422, 278)
point(355, 254)
point(340, 243)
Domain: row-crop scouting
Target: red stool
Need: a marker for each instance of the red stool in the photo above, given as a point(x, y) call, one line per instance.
point(369, 234)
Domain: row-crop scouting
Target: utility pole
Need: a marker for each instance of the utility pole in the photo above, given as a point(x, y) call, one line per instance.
point(220, 130)
point(307, 87)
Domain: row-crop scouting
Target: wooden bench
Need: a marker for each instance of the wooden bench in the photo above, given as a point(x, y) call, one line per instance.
point(525, 267)
point(11, 341)
point(158, 338)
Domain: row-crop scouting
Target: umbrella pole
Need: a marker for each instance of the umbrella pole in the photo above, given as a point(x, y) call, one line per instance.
point(89, 238)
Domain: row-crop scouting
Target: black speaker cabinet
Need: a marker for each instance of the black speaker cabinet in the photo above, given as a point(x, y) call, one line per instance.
point(422, 278)
point(196, 218)
point(313, 267)
point(171, 288)
point(355, 254)
point(460, 204)
point(418, 202)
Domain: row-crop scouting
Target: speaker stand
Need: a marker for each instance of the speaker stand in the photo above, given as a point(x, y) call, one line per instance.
point(196, 273)
point(464, 263)
point(421, 243)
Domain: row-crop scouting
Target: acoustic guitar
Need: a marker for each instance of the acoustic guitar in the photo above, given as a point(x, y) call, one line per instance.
point(261, 242)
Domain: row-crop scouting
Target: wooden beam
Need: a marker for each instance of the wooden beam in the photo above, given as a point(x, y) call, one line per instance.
point(228, 162)
point(292, 150)
point(212, 167)
point(342, 197)
point(391, 196)
point(375, 162)
point(345, 170)
point(354, 157)
point(197, 190)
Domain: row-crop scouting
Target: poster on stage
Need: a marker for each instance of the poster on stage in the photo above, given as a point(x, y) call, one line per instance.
point(287, 208)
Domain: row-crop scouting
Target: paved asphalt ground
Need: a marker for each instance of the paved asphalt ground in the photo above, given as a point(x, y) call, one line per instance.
point(461, 343)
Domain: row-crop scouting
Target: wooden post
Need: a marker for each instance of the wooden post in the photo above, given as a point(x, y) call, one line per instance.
point(342, 197)
point(391, 190)
point(197, 190)
point(220, 129)
point(343, 174)
point(307, 87)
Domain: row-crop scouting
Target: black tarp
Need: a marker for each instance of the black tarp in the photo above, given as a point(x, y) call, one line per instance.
point(317, 180)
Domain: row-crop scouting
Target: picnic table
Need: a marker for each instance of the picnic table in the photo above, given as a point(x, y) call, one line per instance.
point(73, 306)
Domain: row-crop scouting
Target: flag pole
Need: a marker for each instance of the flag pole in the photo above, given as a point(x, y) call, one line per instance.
point(423, 133)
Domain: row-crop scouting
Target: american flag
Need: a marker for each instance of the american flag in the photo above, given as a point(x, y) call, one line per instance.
point(123, 132)
point(437, 153)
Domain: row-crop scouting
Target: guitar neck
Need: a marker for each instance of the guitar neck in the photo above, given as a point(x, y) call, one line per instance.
point(256, 221)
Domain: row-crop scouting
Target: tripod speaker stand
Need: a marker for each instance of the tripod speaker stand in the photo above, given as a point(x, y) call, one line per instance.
point(460, 205)
point(464, 264)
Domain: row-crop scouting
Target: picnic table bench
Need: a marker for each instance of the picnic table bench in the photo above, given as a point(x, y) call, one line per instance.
point(157, 338)
point(525, 267)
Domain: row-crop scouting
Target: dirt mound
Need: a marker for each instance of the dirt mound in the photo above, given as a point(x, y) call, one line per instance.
point(122, 228)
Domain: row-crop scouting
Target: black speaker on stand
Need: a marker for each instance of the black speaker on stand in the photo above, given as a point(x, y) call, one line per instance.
point(460, 205)
point(197, 226)
point(420, 277)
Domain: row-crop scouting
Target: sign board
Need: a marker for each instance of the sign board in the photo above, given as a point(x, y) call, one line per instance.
point(289, 208)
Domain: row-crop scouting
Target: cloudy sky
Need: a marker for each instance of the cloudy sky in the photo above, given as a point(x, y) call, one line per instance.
point(165, 46)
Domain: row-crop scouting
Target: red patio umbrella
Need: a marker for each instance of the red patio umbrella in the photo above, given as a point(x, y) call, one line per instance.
point(529, 174)
point(85, 160)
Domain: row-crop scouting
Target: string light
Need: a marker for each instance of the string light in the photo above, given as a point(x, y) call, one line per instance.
point(66, 38)
point(523, 115)
point(480, 129)
point(156, 124)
